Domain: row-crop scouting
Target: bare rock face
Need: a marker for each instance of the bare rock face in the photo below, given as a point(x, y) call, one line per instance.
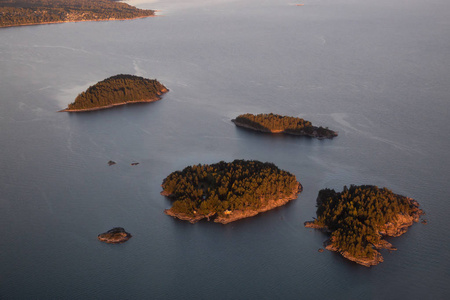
point(399, 225)
point(116, 235)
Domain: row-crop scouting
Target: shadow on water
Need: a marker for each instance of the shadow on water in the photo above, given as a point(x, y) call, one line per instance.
point(279, 137)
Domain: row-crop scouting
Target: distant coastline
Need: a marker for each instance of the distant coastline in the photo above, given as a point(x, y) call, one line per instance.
point(40, 12)
point(75, 21)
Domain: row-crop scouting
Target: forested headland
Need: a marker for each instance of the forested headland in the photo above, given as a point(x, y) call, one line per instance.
point(359, 217)
point(33, 12)
point(117, 90)
point(228, 192)
point(274, 123)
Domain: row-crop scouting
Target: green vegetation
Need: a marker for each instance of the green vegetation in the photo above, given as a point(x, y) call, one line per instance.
point(222, 188)
point(116, 90)
point(276, 123)
point(357, 215)
point(27, 12)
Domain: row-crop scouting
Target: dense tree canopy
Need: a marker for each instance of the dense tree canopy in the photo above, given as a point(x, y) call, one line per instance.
point(358, 214)
point(277, 123)
point(225, 187)
point(22, 12)
point(118, 89)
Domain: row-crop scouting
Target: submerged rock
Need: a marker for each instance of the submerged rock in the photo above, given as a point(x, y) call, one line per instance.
point(116, 235)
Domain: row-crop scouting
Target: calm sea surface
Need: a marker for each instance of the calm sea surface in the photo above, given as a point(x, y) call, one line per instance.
point(378, 72)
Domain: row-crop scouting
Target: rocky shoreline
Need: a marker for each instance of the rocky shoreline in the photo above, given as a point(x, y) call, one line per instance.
point(76, 21)
point(397, 227)
point(314, 134)
point(237, 214)
point(112, 105)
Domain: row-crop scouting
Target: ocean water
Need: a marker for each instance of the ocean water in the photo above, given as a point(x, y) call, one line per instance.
point(377, 72)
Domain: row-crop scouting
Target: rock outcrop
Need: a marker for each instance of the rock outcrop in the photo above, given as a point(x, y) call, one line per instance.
point(116, 235)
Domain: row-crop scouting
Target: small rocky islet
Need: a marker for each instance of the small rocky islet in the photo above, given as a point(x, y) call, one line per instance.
point(117, 235)
point(273, 123)
point(358, 219)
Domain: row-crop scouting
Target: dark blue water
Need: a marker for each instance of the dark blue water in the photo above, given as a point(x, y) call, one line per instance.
point(376, 71)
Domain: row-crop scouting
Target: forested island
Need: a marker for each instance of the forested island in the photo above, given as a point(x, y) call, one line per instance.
point(226, 192)
point(359, 217)
point(117, 90)
point(33, 12)
point(273, 123)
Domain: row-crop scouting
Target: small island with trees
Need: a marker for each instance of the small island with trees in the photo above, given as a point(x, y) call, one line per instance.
point(273, 123)
point(35, 12)
point(117, 90)
point(226, 192)
point(359, 217)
